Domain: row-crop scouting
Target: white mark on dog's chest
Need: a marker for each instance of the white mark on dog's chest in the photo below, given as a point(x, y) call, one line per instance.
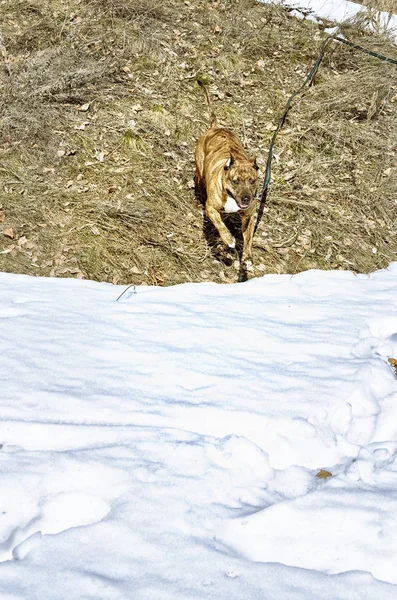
point(230, 205)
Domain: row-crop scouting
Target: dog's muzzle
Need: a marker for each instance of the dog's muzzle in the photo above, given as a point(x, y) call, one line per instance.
point(240, 203)
point(243, 203)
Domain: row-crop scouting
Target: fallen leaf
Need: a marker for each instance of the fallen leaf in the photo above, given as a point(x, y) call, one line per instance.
point(2, 216)
point(393, 363)
point(8, 232)
point(84, 107)
point(83, 125)
point(323, 474)
point(8, 250)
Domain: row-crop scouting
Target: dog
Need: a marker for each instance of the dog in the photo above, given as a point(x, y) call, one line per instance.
point(227, 177)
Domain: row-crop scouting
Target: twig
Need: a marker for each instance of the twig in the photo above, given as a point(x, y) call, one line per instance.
point(126, 290)
point(314, 205)
point(287, 242)
point(4, 53)
point(4, 167)
point(65, 19)
point(282, 244)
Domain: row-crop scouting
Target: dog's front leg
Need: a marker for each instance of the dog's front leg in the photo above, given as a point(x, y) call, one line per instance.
point(247, 227)
point(216, 219)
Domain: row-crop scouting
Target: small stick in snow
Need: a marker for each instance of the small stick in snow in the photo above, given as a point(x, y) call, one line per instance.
point(126, 290)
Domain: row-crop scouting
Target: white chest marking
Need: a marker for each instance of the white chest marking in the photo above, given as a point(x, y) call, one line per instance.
point(230, 205)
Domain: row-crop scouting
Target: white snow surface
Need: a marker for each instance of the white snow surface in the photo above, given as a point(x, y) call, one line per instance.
point(166, 446)
point(340, 11)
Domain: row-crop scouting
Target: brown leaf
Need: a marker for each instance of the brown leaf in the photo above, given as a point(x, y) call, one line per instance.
point(8, 232)
point(323, 474)
point(8, 250)
point(2, 216)
point(393, 363)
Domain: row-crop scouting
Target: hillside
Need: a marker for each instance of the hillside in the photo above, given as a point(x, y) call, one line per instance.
point(100, 111)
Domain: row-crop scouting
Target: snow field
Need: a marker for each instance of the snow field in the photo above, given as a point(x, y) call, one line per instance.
point(167, 445)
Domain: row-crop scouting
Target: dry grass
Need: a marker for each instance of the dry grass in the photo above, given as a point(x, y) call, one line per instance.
point(389, 6)
point(99, 113)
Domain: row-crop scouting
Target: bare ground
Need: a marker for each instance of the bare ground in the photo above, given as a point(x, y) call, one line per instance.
point(100, 111)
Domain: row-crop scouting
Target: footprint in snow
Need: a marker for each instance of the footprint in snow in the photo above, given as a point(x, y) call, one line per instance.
point(58, 513)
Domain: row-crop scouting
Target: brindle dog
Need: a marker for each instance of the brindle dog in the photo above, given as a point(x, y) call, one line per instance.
point(228, 176)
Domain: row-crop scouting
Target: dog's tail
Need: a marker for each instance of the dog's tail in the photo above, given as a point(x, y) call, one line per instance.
point(213, 121)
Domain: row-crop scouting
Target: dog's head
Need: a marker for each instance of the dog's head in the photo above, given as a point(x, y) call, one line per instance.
point(241, 181)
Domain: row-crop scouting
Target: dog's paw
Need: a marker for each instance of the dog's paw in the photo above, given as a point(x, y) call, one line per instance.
point(232, 244)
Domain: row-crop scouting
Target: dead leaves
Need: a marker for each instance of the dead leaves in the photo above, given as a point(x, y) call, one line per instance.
point(8, 232)
point(84, 107)
point(61, 265)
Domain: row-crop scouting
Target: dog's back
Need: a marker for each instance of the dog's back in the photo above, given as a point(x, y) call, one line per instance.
point(213, 149)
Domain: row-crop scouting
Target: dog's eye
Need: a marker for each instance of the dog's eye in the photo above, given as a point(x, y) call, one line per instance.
point(252, 181)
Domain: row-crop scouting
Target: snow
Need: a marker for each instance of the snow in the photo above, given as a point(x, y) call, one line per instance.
point(167, 445)
point(340, 11)
point(231, 205)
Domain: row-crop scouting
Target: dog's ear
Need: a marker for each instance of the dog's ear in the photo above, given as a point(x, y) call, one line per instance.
point(229, 163)
point(255, 164)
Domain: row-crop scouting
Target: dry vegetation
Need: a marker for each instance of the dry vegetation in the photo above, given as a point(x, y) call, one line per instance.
point(99, 113)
